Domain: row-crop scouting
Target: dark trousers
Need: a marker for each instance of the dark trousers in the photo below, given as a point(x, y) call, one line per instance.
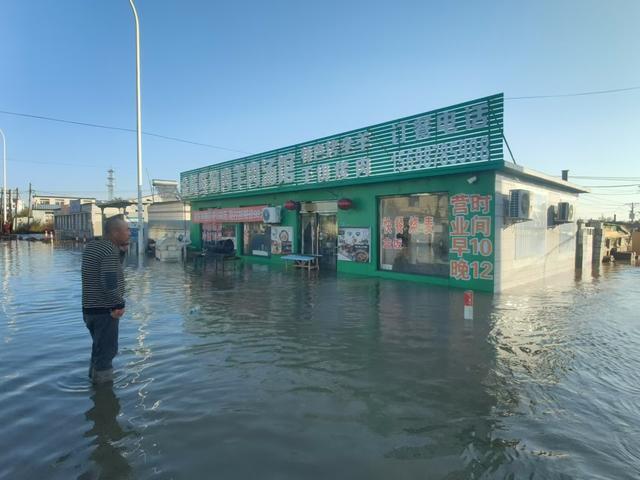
point(104, 333)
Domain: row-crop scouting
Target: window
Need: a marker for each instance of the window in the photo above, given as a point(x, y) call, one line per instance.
point(257, 239)
point(213, 232)
point(414, 234)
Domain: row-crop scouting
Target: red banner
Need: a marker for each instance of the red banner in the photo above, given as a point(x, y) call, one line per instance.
point(228, 215)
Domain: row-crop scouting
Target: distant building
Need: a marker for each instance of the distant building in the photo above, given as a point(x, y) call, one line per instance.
point(43, 213)
point(49, 200)
point(609, 238)
point(635, 242)
point(165, 190)
point(168, 219)
point(81, 220)
point(44, 207)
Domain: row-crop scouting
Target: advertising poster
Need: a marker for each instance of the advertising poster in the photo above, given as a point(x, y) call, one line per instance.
point(354, 244)
point(281, 240)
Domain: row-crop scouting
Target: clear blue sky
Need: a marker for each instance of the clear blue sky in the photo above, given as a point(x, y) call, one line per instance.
point(257, 75)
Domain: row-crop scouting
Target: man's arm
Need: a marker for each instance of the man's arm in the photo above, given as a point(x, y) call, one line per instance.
point(109, 268)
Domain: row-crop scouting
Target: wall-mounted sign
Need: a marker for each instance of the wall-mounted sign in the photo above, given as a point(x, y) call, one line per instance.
point(466, 133)
point(471, 237)
point(281, 240)
point(228, 215)
point(354, 244)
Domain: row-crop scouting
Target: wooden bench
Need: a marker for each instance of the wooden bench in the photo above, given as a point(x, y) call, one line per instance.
point(310, 262)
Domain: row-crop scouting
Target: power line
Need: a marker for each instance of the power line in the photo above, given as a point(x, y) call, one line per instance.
point(66, 164)
point(601, 204)
point(580, 94)
point(59, 193)
point(628, 194)
point(612, 179)
point(592, 198)
point(610, 201)
point(612, 186)
point(122, 129)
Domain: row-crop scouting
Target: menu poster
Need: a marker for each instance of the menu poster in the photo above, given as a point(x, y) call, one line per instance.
point(281, 240)
point(354, 244)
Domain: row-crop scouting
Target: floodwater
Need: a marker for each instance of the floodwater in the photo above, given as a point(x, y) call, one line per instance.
point(277, 375)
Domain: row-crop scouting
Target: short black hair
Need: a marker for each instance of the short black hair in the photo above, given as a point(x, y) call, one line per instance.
point(112, 224)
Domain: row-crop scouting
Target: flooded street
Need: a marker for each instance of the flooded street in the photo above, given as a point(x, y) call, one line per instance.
point(259, 373)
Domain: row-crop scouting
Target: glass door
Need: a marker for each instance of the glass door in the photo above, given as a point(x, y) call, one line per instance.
point(309, 235)
point(328, 240)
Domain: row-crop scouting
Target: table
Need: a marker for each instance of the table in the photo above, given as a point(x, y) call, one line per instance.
point(310, 262)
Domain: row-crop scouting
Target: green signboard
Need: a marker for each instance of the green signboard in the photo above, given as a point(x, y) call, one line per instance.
point(471, 240)
point(466, 133)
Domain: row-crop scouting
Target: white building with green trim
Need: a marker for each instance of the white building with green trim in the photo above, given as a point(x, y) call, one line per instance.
point(426, 198)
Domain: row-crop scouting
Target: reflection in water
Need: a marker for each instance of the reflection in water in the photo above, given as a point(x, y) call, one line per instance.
point(6, 264)
point(109, 459)
point(391, 365)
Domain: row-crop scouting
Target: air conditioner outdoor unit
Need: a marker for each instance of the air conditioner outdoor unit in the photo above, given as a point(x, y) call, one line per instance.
point(271, 215)
point(520, 204)
point(565, 212)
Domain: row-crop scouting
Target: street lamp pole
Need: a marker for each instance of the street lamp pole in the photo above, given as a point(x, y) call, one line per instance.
point(139, 132)
point(4, 177)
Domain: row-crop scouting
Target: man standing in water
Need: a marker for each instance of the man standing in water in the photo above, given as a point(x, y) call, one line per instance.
point(103, 295)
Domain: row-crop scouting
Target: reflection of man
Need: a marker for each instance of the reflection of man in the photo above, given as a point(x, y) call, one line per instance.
point(402, 260)
point(103, 295)
point(107, 431)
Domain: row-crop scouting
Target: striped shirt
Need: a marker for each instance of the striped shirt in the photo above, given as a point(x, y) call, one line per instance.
point(102, 277)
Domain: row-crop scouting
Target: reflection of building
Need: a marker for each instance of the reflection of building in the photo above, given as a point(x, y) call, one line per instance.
point(433, 191)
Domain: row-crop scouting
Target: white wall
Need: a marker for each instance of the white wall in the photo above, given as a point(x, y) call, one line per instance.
point(85, 223)
point(533, 250)
point(168, 219)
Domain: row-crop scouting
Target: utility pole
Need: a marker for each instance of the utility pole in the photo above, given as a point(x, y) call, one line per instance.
point(110, 184)
point(4, 177)
point(10, 218)
point(15, 210)
point(29, 207)
point(139, 135)
point(632, 214)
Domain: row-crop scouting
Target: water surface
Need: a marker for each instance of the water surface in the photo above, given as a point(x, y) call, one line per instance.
point(262, 373)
